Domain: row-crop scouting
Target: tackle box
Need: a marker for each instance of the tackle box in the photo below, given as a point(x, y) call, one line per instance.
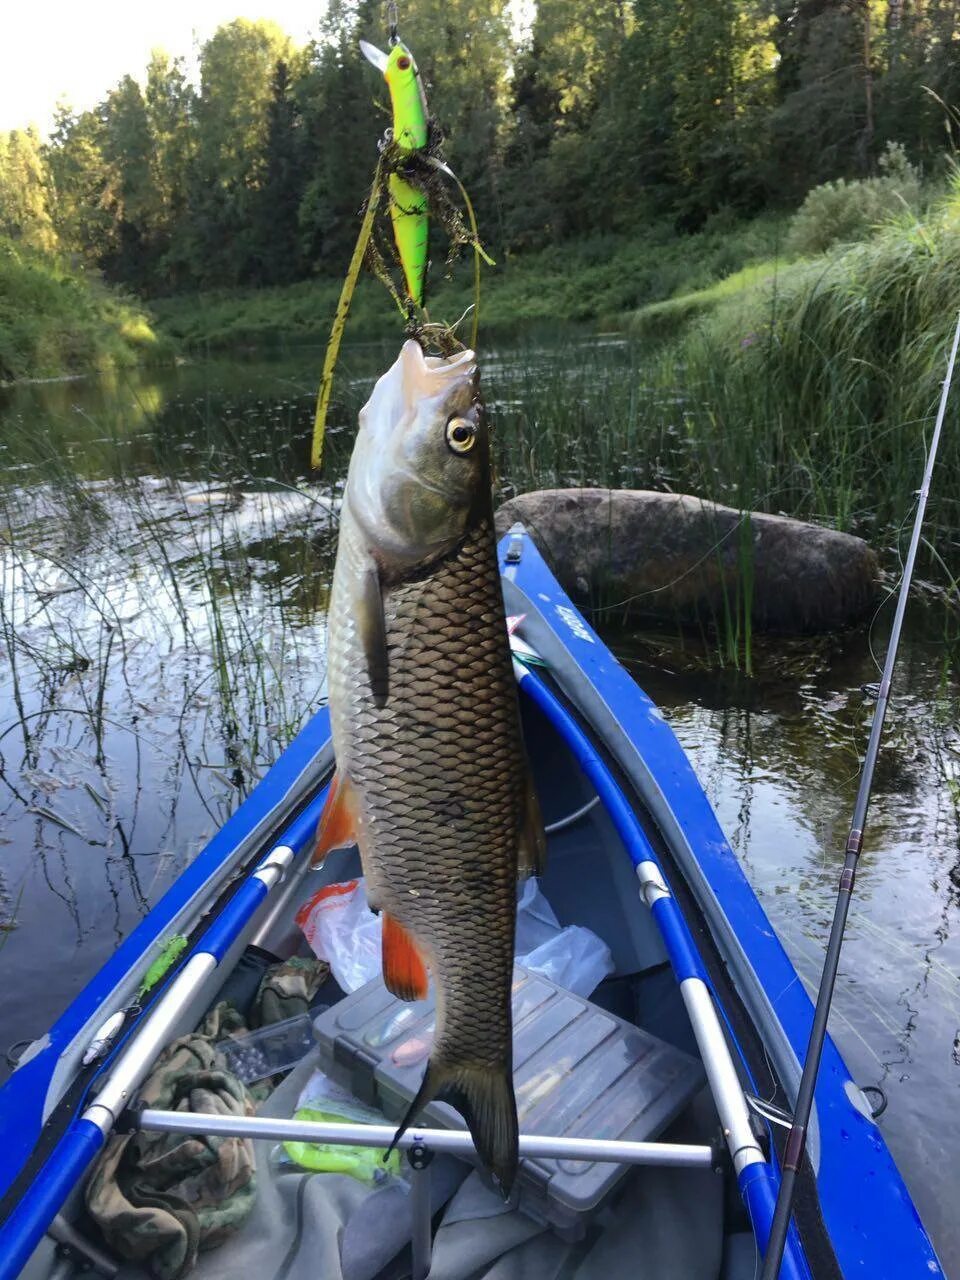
point(579, 1072)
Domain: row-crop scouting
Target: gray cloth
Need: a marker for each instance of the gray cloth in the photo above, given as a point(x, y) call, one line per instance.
point(320, 1226)
point(664, 1224)
point(482, 1236)
point(668, 1224)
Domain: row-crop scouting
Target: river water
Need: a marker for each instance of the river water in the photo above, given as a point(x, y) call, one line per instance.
point(165, 568)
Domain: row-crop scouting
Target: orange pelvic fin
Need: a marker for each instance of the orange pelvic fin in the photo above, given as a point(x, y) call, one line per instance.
point(338, 822)
point(404, 971)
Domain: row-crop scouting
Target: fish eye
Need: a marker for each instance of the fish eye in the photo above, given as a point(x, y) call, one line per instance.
point(461, 435)
point(403, 62)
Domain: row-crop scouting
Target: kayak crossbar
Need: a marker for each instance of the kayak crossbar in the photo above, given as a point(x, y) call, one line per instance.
point(421, 1145)
point(457, 1142)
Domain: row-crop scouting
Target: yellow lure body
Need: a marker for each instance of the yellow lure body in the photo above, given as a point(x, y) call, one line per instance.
point(408, 206)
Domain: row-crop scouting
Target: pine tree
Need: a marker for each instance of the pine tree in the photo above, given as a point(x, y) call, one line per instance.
point(277, 251)
point(24, 214)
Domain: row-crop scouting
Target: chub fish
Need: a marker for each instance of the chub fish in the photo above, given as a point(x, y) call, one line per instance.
point(432, 778)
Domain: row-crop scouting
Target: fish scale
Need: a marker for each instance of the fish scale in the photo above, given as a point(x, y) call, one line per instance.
point(443, 742)
point(426, 729)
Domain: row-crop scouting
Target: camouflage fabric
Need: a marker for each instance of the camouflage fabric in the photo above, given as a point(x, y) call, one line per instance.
point(158, 1198)
point(286, 989)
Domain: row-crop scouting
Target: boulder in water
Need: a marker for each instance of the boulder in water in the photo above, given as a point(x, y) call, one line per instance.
point(678, 557)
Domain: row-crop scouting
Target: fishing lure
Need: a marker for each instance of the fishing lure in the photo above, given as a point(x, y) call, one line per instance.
point(171, 951)
point(411, 146)
point(408, 205)
point(104, 1038)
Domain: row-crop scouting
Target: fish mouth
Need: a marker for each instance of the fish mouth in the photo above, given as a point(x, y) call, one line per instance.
point(431, 377)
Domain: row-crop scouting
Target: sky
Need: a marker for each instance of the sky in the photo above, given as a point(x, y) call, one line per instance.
point(77, 49)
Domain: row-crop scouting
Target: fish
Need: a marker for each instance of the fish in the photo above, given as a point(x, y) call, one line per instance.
point(433, 782)
point(408, 204)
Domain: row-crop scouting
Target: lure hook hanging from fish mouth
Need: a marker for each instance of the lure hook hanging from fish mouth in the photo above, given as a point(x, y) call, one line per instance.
point(413, 175)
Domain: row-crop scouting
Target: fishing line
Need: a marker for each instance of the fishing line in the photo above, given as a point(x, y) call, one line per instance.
point(725, 537)
point(562, 823)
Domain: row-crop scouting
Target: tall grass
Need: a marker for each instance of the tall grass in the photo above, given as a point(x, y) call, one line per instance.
point(813, 393)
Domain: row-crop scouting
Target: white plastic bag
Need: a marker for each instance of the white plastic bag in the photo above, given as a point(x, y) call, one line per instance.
point(536, 922)
point(342, 930)
point(575, 959)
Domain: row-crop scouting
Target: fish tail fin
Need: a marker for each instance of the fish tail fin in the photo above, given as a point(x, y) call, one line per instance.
point(484, 1097)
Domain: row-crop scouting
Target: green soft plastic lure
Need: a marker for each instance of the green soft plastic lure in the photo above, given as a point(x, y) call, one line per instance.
point(366, 1164)
point(408, 205)
point(171, 951)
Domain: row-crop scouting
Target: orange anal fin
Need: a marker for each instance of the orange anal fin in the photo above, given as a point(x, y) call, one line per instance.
point(404, 971)
point(338, 821)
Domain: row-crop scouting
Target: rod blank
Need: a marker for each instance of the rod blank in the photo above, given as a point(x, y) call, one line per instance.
point(796, 1142)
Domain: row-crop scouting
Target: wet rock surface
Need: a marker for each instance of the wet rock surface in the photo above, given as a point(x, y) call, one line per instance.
point(680, 557)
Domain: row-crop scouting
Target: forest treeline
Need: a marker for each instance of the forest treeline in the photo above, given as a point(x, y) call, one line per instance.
point(601, 116)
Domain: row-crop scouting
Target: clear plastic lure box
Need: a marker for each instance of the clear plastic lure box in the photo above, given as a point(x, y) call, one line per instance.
point(578, 1072)
point(271, 1050)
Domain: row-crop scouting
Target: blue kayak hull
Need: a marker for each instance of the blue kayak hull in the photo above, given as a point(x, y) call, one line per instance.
point(869, 1220)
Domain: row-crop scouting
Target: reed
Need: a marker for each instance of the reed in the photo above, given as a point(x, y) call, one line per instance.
point(823, 379)
point(118, 584)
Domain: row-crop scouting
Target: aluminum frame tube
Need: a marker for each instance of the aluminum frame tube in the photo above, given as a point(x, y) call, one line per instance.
point(135, 1061)
point(453, 1141)
point(74, 1153)
point(421, 1222)
point(685, 962)
point(722, 1075)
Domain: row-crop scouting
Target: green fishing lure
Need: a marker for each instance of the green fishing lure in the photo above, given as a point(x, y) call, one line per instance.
point(411, 149)
point(171, 952)
point(408, 205)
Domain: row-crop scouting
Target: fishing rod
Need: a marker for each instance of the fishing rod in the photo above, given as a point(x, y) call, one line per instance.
point(796, 1142)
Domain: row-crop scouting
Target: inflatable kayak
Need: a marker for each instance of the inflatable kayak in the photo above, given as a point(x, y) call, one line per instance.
point(653, 1113)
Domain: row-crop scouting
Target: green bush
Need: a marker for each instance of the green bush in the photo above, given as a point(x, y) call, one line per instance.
point(593, 279)
point(815, 386)
point(841, 212)
point(56, 320)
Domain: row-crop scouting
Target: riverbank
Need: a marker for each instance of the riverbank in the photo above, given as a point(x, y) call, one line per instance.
point(56, 320)
point(813, 381)
point(584, 281)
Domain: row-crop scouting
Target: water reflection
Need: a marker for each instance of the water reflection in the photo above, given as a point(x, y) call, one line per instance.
point(781, 772)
